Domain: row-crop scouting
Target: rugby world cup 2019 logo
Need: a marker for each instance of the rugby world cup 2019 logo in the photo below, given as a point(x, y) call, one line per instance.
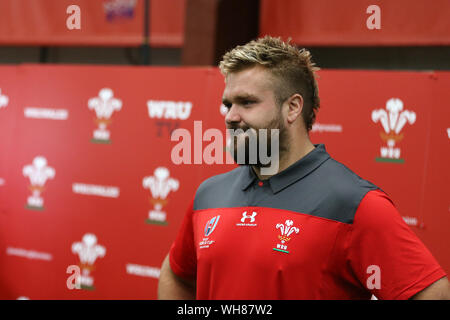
point(160, 185)
point(104, 105)
point(393, 119)
point(287, 230)
point(38, 172)
point(210, 226)
point(88, 250)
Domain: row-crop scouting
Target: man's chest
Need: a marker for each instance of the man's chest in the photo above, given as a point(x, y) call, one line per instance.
point(261, 239)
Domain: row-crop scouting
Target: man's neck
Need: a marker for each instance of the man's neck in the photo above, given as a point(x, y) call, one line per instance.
point(288, 158)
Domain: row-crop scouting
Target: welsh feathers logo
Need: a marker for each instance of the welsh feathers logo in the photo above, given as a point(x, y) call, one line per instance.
point(287, 230)
point(160, 185)
point(393, 119)
point(104, 105)
point(4, 100)
point(38, 172)
point(88, 250)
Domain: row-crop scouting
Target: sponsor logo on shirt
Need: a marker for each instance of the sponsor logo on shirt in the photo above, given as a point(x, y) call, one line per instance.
point(393, 119)
point(287, 230)
point(247, 220)
point(210, 226)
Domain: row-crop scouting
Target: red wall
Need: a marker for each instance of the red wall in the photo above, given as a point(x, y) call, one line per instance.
point(344, 23)
point(103, 23)
point(39, 241)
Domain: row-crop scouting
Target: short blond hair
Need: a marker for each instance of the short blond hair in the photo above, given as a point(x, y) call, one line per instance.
point(293, 67)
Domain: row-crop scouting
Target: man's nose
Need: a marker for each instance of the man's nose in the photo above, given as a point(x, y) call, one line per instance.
point(232, 115)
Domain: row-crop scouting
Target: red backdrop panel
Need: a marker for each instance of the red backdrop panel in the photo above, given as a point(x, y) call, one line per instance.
point(109, 199)
point(8, 103)
point(103, 23)
point(435, 206)
point(330, 23)
point(138, 144)
point(349, 99)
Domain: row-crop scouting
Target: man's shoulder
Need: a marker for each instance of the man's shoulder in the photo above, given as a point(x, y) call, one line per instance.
point(332, 191)
point(344, 184)
point(214, 190)
point(345, 179)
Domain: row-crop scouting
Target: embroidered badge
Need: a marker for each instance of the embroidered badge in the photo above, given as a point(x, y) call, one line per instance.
point(287, 230)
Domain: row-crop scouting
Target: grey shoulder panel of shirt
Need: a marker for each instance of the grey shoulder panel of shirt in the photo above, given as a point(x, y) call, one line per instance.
point(331, 191)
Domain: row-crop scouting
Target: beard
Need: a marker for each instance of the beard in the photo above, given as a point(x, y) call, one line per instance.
point(259, 146)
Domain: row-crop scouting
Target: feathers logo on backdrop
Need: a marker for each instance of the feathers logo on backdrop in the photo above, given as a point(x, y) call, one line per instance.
point(160, 185)
point(210, 226)
point(104, 105)
point(38, 172)
point(88, 251)
point(393, 119)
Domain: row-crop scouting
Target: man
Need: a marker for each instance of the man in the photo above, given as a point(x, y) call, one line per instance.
point(313, 230)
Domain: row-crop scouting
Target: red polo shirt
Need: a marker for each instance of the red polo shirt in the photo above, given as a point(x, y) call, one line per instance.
point(315, 231)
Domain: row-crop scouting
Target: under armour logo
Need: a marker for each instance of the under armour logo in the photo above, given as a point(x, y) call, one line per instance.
point(245, 216)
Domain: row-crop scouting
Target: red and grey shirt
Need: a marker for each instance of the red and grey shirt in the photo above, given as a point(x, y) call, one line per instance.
point(313, 231)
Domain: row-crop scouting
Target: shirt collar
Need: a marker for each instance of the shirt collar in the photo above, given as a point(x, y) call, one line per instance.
point(248, 176)
point(292, 174)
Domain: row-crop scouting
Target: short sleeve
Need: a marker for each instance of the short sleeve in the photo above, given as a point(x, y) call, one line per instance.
point(182, 254)
point(385, 254)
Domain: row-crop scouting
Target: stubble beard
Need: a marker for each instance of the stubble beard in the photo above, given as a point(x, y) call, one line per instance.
point(265, 145)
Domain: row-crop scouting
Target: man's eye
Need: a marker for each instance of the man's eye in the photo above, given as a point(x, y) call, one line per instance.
point(247, 102)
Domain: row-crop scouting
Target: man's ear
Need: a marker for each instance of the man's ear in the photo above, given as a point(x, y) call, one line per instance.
point(295, 107)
